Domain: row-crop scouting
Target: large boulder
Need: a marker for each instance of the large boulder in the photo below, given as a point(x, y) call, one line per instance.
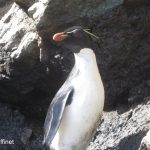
point(124, 128)
point(4, 7)
point(15, 130)
point(123, 55)
point(135, 3)
point(25, 3)
point(53, 15)
point(19, 54)
point(29, 72)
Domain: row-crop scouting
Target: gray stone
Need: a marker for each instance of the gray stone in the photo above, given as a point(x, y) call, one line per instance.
point(124, 62)
point(14, 130)
point(25, 3)
point(4, 7)
point(123, 129)
point(26, 135)
point(19, 51)
point(52, 15)
point(135, 3)
point(18, 35)
point(4, 2)
point(27, 46)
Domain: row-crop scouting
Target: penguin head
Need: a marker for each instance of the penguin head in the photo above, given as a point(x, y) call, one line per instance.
point(75, 38)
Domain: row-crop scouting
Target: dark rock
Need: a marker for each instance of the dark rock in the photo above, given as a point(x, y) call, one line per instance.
point(133, 99)
point(26, 135)
point(123, 55)
point(55, 15)
point(122, 131)
point(25, 3)
point(37, 144)
point(4, 2)
point(135, 3)
point(4, 9)
point(15, 129)
point(148, 83)
point(19, 54)
point(139, 92)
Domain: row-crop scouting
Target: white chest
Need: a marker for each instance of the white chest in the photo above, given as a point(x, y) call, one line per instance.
point(82, 115)
point(80, 118)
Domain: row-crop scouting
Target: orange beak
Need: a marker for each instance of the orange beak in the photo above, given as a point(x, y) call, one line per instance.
point(59, 36)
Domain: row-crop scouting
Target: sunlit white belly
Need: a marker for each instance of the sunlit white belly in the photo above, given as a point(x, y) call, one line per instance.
point(81, 117)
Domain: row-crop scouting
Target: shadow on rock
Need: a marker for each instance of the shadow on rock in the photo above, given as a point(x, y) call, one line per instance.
point(132, 142)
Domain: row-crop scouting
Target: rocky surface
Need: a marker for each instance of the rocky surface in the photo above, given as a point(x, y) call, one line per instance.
point(22, 74)
point(123, 129)
point(16, 129)
point(124, 52)
point(135, 3)
point(25, 4)
point(4, 7)
point(50, 15)
point(19, 47)
point(32, 68)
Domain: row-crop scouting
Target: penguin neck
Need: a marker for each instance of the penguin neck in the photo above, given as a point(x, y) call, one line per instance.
point(85, 59)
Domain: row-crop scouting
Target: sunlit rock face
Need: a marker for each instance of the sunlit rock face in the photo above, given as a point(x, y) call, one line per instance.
point(51, 15)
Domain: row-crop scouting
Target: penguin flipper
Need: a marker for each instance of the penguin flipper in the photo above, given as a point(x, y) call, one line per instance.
point(55, 113)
